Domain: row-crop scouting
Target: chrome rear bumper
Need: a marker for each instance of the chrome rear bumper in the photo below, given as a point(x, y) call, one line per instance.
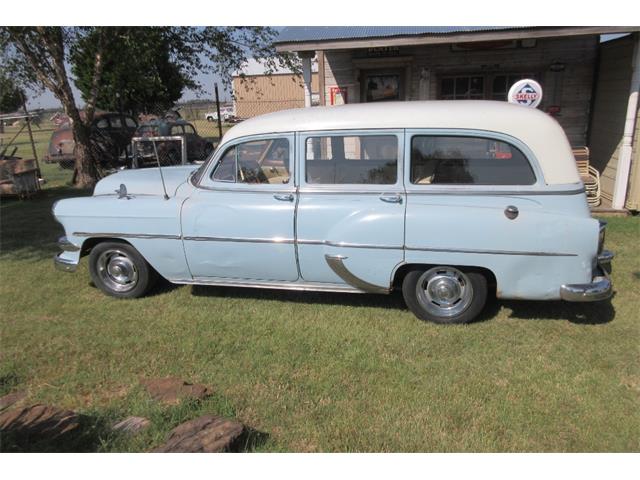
point(600, 287)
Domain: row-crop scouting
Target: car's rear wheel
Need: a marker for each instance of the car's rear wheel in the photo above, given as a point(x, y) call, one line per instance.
point(445, 294)
point(120, 271)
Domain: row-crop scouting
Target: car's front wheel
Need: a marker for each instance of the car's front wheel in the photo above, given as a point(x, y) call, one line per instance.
point(445, 294)
point(120, 271)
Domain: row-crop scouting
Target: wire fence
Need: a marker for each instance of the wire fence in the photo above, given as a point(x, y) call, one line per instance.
point(187, 134)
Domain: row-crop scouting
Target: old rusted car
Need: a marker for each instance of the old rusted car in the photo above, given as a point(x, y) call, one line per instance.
point(111, 134)
point(169, 151)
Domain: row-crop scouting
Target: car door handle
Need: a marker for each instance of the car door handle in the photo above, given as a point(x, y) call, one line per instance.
point(391, 198)
point(284, 197)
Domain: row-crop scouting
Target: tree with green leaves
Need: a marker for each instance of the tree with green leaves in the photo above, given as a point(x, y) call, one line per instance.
point(10, 94)
point(40, 57)
point(139, 74)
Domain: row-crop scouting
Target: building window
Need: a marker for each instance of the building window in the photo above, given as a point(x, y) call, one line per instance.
point(367, 159)
point(462, 88)
point(448, 160)
point(479, 87)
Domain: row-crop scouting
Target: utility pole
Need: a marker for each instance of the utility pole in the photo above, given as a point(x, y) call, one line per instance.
point(215, 86)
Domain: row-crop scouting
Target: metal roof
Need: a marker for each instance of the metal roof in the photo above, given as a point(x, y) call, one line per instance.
point(310, 34)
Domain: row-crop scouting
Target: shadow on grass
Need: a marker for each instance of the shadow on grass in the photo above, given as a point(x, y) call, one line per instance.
point(579, 313)
point(392, 301)
point(28, 230)
point(91, 433)
point(250, 441)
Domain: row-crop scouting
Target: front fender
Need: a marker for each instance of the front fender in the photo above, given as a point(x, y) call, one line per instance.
point(149, 223)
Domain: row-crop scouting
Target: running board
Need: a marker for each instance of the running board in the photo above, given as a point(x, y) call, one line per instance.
point(336, 263)
point(275, 285)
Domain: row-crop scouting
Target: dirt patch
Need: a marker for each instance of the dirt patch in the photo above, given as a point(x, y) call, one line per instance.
point(172, 390)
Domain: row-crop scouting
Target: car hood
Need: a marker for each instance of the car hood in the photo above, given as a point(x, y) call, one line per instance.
point(145, 181)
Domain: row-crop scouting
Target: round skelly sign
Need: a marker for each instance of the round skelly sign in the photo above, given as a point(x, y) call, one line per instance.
point(525, 92)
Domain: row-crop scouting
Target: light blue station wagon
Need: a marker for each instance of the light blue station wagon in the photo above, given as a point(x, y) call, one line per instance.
point(444, 200)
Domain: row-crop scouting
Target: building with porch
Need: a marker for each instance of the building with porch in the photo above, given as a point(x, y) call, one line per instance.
point(590, 87)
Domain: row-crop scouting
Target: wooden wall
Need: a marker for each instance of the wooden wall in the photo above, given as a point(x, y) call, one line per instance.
point(609, 112)
point(258, 94)
point(423, 66)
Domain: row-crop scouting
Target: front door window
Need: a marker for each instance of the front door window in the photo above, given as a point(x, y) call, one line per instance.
point(255, 162)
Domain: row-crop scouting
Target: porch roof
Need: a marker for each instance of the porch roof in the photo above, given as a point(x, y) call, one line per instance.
point(333, 38)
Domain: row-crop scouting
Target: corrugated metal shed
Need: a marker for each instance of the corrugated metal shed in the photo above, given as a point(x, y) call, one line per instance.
point(310, 34)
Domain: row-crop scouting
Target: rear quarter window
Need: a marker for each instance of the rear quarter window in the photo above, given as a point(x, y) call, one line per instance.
point(460, 160)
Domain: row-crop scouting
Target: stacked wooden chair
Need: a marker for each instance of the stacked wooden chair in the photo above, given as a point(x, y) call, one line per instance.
point(589, 175)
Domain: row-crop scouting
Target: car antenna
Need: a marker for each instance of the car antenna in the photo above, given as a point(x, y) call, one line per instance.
point(164, 187)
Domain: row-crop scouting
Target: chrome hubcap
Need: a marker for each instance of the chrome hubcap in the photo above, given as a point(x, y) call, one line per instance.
point(117, 271)
point(444, 291)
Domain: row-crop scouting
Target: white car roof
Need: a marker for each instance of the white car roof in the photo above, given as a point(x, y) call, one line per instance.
point(539, 131)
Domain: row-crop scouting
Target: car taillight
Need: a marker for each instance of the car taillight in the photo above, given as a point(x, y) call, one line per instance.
point(603, 226)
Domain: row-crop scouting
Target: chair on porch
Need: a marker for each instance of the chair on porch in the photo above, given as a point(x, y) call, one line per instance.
point(589, 175)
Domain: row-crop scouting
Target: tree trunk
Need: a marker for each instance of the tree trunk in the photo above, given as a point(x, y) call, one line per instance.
point(86, 171)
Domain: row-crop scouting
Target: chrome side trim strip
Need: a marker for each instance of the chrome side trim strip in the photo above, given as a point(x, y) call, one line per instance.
point(269, 191)
point(491, 193)
point(329, 243)
point(127, 235)
point(346, 191)
point(297, 286)
point(349, 245)
point(336, 263)
point(241, 240)
point(491, 252)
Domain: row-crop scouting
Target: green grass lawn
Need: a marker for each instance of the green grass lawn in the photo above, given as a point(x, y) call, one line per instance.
point(320, 372)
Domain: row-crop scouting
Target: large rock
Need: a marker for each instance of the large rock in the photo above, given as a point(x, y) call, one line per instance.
point(39, 422)
point(172, 390)
point(10, 399)
point(207, 434)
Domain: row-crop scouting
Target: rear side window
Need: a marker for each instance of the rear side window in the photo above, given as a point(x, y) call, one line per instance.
point(366, 159)
point(130, 122)
point(459, 160)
